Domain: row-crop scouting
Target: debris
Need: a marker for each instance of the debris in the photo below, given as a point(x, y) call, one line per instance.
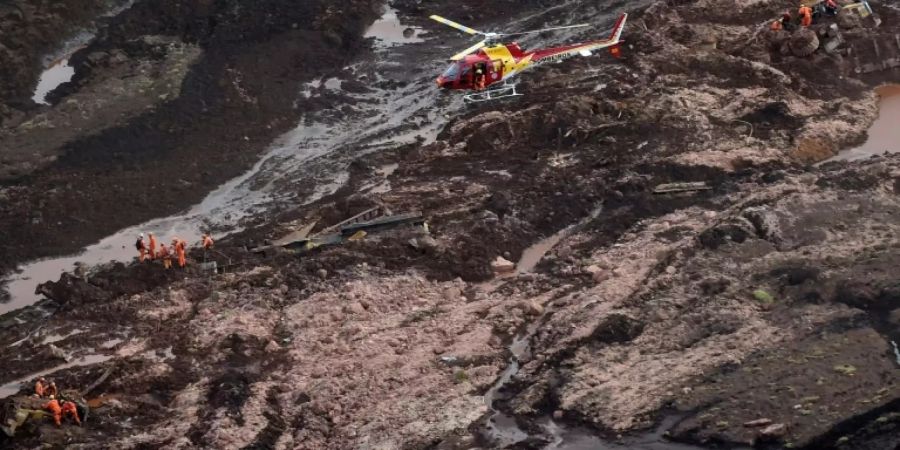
point(383, 222)
point(774, 431)
point(758, 423)
point(58, 352)
point(449, 359)
point(503, 265)
point(99, 381)
point(681, 187)
point(845, 369)
point(763, 297)
point(358, 236)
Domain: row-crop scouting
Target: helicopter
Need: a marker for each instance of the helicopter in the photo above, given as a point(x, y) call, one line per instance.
point(486, 67)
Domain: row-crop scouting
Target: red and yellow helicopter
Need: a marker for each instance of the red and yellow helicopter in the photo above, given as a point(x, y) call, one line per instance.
point(487, 66)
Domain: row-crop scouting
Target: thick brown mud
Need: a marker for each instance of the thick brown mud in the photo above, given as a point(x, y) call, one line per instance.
point(755, 311)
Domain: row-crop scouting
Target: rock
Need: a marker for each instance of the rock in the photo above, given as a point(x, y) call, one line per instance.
point(452, 294)
point(272, 347)
point(322, 273)
point(58, 352)
point(354, 308)
point(503, 265)
point(532, 308)
point(558, 414)
point(774, 431)
point(671, 270)
point(804, 42)
point(758, 423)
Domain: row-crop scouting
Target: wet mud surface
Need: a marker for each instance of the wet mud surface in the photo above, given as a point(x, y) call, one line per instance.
point(757, 313)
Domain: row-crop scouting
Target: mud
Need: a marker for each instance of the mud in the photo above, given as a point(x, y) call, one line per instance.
point(757, 313)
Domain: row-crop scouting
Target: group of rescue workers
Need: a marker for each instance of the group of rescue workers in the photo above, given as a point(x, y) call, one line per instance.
point(805, 15)
point(59, 407)
point(147, 251)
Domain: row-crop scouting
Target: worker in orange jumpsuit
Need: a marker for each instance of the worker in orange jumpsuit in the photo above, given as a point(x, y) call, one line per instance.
point(776, 25)
point(40, 387)
point(141, 247)
point(805, 15)
point(165, 256)
point(69, 409)
point(207, 242)
point(53, 407)
point(51, 390)
point(152, 246)
point(179, 246)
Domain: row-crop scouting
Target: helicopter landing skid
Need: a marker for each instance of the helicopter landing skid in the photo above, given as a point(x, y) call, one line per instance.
point(504, 91)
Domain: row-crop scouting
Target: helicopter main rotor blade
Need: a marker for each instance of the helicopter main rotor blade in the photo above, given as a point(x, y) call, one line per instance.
point(581, 25)
point(467, 51)
point(453, 24)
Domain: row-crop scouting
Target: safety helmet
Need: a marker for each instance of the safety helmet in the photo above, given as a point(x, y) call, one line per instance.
point(142, 235)
point(52, 397)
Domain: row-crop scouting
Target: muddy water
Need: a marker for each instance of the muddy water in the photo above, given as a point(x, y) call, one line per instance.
point(312, 152)
point(57, 74)
point(14, 386)
point(884, 135)
point(388, 31)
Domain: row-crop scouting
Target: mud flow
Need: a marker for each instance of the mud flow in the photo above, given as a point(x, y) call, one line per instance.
point(642, 251)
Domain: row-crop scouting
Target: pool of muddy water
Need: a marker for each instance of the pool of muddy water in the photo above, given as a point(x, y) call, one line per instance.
point(884, 135)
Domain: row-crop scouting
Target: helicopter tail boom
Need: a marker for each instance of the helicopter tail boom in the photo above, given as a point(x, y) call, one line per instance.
point(584, 48)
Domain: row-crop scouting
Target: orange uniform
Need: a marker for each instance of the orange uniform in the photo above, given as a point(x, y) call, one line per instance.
point(165, 256)
point(152, 246)
point(805, 16)
point(207, 242)
point(40, 387)
point(53, 407)
point(69, 409)
point(50, 390)
point(179, 250)
point(776, 26)
point(141, 248)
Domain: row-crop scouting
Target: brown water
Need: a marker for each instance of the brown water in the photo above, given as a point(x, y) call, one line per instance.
point(884, 135)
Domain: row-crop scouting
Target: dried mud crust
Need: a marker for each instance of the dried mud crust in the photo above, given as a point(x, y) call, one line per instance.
point(714, 303)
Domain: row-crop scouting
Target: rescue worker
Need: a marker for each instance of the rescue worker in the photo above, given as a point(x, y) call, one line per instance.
point(179, 246)
point(480, 79)
point(207, 242)
point(141, 247)
point(51, 390)
point(70, 409)
point(53, 407)
point(165, 256)
point(152, 246)
point(40, 387)
point(776, 25)
point(831, 8)
point(787, 21)
point(806, 17)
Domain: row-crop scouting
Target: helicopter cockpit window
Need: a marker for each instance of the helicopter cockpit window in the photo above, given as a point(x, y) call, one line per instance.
point(452, 72)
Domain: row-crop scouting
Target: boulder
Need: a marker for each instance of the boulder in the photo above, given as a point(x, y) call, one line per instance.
point(503, 265)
